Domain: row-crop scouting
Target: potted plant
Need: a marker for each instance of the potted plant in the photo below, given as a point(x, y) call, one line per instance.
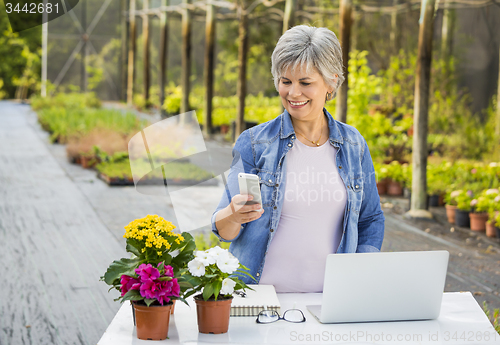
point(451, 205)
point(155, 275)
point(215, 274)
point(493, 211)
point(381, 177)
point(463, 208)
point(437, 183)
point(497, 224)
point(396, 179)
point(480, 208)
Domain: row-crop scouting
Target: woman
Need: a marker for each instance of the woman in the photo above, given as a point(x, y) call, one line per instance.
point(316, 175)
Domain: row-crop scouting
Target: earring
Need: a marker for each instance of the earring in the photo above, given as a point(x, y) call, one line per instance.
point(329, 96)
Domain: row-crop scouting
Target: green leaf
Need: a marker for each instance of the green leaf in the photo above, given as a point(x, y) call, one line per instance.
point(208, 291)
point(148, 301)
point(165, 279)
point(161, 266)
point(120, 267)
point(132, 249)
point(218, 286)
point(132, 295)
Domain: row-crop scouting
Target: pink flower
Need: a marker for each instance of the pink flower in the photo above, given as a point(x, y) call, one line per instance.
point(473, 171)
point(473, 203)
point(148, 289)
point(129, 283)
point(470, 194)
point(147, 272)
point(166, 289)
point(169, 271)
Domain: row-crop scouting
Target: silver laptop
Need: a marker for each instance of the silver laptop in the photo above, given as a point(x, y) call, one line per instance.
point(388, 286)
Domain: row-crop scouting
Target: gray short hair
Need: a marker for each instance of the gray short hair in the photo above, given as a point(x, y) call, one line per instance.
point(312, 47)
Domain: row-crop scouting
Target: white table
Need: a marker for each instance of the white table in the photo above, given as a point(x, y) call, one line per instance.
point(462, 321)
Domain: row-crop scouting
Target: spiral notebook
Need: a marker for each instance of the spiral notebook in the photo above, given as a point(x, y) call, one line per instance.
point(260, 298)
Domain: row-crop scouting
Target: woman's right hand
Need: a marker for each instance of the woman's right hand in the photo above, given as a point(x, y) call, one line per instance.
point(228, 220)
point(241, 212)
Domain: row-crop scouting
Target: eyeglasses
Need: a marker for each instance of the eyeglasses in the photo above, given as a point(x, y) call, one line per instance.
point(291, 315)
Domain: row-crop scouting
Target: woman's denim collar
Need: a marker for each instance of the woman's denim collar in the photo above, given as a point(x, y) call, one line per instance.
point(287, 127)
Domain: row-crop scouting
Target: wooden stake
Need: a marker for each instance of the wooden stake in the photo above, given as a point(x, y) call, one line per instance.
point(186, 57)
point(395, 29)
point(145, 37)
point(163, 57)
point(289, 18)
point(242, 65)
point(131, 54)
point(497, 129)
point(85, 38)
point(421, 110)
point(124, 36)
point(209, 68)
point(345, 34)
point(449, 18)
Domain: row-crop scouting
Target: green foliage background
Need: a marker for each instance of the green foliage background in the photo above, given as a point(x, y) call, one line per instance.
point(19, 57)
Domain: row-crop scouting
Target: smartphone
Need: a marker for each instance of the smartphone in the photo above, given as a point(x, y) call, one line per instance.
point(249, 185)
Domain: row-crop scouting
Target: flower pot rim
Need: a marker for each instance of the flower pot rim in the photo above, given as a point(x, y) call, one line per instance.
point(142, 304)
point(199, 297)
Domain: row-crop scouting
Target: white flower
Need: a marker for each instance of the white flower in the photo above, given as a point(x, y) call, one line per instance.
point(196, 267)
point(492, 191)
point(494, 164)
point(174, 253)
point(455, 193)
point(227, 263)
point(204, 257)
point(227, 286)
point(216, 251)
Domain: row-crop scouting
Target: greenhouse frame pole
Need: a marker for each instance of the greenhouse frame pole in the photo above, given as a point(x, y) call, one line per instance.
point(345, 36)
point(131, 54)
point(186, 56)
point(289, 18)
point(163, 56)
point(45, 34)
point(124, 50)
point(242, 68)
point(421, 113)
point(209, 68)
point(145, 37)
point(497, 129)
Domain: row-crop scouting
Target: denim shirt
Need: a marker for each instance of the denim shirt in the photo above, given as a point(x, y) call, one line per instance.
point(262, 150)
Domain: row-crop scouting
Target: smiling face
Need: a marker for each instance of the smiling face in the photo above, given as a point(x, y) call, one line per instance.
point(303, 94)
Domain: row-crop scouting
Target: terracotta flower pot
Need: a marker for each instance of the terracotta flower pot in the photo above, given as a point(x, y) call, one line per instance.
point(491, 230)
point(450, 213)
point(213, 316)
point(441, 200)
point(87, 162)
point(478, 221)
point(382, 187)
point(462, 218)
point(152, 322)
point(394, 188)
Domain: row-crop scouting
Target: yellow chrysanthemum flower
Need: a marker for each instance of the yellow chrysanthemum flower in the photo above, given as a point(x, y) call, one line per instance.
point(153, 231)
